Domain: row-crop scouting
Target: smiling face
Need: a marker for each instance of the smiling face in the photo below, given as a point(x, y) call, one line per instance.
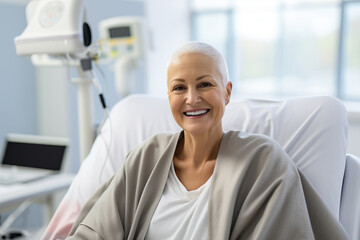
point(197, 92)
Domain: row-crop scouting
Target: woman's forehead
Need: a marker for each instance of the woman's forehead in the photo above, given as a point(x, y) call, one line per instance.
point(187, 63)
point(192, 65)
point(191, 57)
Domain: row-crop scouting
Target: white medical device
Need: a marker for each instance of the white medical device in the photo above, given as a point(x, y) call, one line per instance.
point(57, 29)
point(122, 41)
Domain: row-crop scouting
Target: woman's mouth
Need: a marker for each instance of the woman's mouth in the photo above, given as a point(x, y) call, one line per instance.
point(196, 113)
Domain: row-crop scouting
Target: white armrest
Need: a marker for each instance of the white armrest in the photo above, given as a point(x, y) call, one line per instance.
point(350, 197)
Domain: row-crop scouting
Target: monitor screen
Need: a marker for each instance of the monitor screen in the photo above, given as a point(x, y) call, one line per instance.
point(35, 155)
point(120, 32)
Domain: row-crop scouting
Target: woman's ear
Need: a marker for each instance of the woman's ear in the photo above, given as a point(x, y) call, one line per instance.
point(228, 91)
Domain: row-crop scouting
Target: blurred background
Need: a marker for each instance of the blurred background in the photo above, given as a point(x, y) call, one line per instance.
point(274, 49)
point(285, 47)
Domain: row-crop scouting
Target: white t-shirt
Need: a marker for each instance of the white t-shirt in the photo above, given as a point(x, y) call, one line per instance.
point(180, 214)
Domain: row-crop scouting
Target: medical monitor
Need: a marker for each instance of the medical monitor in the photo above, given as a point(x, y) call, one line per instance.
point(32, 151)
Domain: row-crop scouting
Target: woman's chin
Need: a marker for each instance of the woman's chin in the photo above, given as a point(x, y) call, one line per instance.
point(199, 129)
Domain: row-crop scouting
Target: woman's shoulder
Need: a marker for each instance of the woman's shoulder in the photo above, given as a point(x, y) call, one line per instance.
point(152, 148)
point(157, 141)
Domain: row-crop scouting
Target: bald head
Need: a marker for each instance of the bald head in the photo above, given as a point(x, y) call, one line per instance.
point(204, 49)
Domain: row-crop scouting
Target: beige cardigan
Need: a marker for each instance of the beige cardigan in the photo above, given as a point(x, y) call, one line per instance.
point(256, 193)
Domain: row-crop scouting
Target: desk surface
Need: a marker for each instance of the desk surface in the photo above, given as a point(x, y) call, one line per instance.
point(15, 193)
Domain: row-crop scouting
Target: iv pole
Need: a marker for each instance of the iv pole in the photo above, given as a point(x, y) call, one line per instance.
point(86, 131)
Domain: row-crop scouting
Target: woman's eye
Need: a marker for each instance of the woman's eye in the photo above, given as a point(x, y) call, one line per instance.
point(205, 84)
point(178, 88)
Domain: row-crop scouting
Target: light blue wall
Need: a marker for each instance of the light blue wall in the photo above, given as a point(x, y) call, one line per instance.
point(17, 82)
point(18, 110)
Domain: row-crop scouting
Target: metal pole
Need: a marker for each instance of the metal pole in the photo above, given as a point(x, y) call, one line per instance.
point(86, 130)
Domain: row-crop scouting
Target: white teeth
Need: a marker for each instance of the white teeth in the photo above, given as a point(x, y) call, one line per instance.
point(196, 113)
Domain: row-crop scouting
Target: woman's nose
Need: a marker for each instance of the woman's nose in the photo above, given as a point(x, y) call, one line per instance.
point(193, 97)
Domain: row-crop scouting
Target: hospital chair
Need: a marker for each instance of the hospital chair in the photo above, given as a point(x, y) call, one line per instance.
point(312, 130)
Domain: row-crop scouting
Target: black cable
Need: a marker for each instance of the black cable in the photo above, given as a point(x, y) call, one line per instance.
point(102, 99)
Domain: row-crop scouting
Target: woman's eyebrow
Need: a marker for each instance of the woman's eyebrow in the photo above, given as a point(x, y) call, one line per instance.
point(177, 80)
point(203, 76)
point(197, 79)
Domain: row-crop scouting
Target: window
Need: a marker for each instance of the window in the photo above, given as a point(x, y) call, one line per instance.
point(351, 50)
point(285, 47)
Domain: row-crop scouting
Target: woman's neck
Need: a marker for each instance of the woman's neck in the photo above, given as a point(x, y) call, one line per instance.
point(197, 149)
